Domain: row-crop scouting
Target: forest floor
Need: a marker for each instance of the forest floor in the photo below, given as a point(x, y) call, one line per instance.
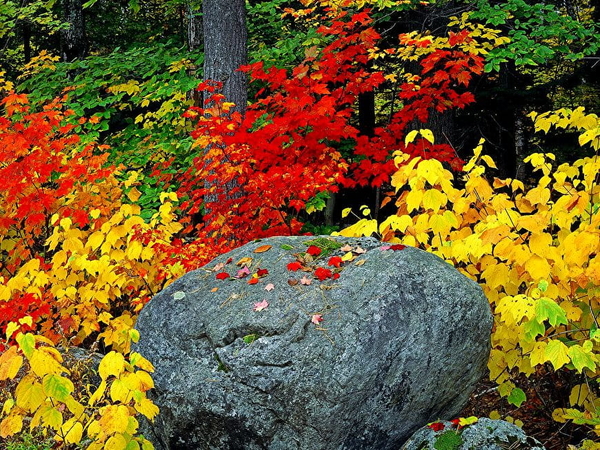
point(545, 392)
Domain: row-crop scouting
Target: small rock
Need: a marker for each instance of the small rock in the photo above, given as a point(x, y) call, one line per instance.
point(485, 434)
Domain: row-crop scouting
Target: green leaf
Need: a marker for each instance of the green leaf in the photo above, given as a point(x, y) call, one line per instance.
point(582, 356)
point(449, 440)
point(250, 338)
point(57, 387)
point(548, 309)
point(27, 343)
point(533, 328)
point(516, 397)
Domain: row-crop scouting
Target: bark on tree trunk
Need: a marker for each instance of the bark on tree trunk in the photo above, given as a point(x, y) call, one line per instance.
point(194, 26)
point(73, 39)
point(225, 50)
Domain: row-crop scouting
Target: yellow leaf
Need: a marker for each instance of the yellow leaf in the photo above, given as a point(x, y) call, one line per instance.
point(71, 431)
point(427, 134)
point(113, 363)
point(120, 392)
point(489, 161)
point(49, 416)
point(147, 408)
point(95, 240)
point(116, 442)
point(134, 194)
point(410, 137)
point(8, 404)
point(114, 419)
point(11, 425)
point(432, 170)
point(98, 393)
point(146, 380)
point(413, 200)
point(134, 249)
point(167, 195)
point(43, 363)
point(434, 200)
point(29, 394)
point(538, 267)
point(10, 329)
point(76, 408)
point(138, 360)
point(578, 395)
point(538, 355)
point(557, 353)
point(348, 256)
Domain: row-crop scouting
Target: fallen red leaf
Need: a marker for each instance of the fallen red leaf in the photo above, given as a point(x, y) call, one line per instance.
point(436, 426)
point(222, 276)
point(321, 273)
point(335, 261)
point(253, 280)
point(262, 272)
point(313, 250)
point(293, 266)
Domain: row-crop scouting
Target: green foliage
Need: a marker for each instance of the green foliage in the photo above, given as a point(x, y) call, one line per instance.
point(29, 441)
point(538, 33)
point(448, 440)
point(135, 99)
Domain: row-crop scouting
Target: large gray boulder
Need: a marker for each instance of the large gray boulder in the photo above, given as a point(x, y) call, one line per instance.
point(403, 339)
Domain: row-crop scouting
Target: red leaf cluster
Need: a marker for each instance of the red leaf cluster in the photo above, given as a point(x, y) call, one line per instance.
point(257, 171)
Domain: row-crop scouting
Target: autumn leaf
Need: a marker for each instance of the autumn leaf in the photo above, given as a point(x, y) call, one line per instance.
point(436, 426)
point(262, 249)
point(305, 280)
point(313, 250)
point(269, 287)
point(322, 274)
point(242, 273)
point(253, 280)
point(316, 319)
point(294, 266)
point(335, 261)
point(262, 273)
point(259, 306)
point(222, 276)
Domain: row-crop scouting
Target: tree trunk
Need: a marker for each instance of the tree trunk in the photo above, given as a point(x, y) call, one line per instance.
point(194, 26)
point(73, 39)
point(225, 50)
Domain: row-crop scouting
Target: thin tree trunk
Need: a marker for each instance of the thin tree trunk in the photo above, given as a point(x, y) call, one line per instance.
point(73, 39)
point(520, 143)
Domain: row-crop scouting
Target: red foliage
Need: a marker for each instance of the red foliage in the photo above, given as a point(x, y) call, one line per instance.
point(258, 171)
